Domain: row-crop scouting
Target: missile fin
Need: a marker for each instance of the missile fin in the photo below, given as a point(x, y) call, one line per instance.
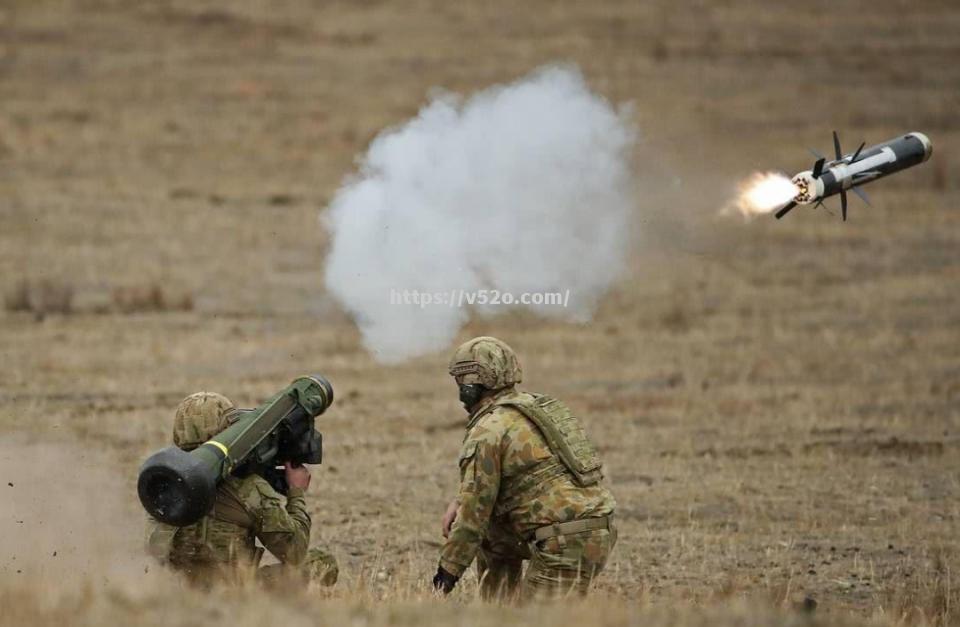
point(836, 146)
point(818, 167)
point(853, 159)
point(843, 204)
point(865, 177)
point(786, 209)
point(862, 194)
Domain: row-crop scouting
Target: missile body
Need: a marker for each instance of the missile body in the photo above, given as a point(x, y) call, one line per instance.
point(847, 172)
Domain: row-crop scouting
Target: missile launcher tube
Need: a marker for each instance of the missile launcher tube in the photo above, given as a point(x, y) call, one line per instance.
point(179, 487)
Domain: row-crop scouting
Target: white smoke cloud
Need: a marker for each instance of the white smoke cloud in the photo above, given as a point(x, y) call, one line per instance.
point(524, 187)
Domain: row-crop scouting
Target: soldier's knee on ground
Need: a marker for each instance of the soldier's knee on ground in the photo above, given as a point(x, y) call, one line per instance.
point(320, 566)
point(559, 568)
point(500, 562)
point(499, 578)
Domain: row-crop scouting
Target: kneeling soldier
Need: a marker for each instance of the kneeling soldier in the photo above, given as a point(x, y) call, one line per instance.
point(223, 543)
point(530, 486)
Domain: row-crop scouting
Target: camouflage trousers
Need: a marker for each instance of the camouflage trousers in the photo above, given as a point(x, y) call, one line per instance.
point(557, 566)
point(319, 566)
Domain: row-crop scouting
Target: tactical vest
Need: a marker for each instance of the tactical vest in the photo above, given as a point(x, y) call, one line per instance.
point(564, 435)
point(226, 508)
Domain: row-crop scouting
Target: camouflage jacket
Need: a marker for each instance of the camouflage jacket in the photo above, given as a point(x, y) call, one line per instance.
point(500, 451)
point(247, 509)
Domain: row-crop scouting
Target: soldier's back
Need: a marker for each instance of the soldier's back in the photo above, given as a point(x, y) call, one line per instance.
point(537, 489)
point(220, 541)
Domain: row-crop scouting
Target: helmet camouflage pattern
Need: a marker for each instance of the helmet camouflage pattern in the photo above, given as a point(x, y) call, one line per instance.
point(488, 361)
point(199, 417)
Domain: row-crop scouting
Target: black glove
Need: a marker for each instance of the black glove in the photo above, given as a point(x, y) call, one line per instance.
point(444, 581)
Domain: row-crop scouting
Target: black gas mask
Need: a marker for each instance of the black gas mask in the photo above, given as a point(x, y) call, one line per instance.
point(470, 394)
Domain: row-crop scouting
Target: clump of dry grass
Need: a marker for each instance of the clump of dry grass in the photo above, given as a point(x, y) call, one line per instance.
point(40, 297)
point(926, 593)
point(149, 297)
point(56, 296)
point(240, 607)
point(676, 319)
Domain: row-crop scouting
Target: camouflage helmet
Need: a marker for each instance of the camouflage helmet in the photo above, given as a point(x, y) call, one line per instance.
point(488, 361)
point(199, 417)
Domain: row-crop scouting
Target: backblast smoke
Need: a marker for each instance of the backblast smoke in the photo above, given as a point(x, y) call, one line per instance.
point(522, 188)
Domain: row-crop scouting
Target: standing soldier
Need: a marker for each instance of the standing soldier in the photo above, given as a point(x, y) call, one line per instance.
point(530, 486)
point(223, 543)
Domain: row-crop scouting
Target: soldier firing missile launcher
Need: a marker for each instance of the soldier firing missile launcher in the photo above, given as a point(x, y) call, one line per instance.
point(848, 172)
point(179, 487)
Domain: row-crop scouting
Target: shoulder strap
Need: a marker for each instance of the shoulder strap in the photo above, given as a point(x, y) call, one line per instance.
point(229, 508)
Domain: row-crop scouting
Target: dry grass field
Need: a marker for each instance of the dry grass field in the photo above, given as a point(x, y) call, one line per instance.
point(778, 403)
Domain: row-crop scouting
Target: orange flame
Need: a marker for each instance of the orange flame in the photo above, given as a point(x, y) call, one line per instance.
point(763, 192)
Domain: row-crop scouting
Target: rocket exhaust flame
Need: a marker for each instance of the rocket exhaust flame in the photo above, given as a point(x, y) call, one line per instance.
point(762, 193)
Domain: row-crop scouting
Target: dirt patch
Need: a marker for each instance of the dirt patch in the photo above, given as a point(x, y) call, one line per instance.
point(68, 518)
point(892, 446)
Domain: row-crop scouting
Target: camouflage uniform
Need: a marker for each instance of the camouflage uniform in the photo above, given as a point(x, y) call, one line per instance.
point(222, 545)
point(512, 483)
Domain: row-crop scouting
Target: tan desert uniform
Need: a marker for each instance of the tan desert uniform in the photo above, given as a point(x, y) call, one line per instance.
point(519, 500)
point(222, 545)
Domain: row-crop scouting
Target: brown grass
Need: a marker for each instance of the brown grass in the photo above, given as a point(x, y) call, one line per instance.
point(40, 298)
point(777, 402)
point(141, 298)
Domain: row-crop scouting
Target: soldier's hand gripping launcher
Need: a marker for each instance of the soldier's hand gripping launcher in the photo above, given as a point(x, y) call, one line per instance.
point(179, 487)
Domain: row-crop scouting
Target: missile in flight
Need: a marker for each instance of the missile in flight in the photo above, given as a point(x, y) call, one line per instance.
point(851, 171)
